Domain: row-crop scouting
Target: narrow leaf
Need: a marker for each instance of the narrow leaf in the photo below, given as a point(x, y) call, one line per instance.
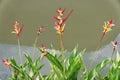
point(54, 61)
point(115, 68)
point(98, 68)
point(38, 61)
point(58, 73)
point(73, 54)
point(74, 68)
point(83, 67)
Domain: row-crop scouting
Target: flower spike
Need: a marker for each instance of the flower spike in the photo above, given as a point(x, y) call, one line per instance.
point(43, 49)
point(59, 25)
point(107, 27)
point(115, 45)
point(60, 11)
point(5, 61)
point(40, 30)
point(65, 19)
point(20, 30)
point(17, 30)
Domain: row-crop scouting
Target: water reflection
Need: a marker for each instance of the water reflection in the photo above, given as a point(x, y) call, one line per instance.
point(84, 27)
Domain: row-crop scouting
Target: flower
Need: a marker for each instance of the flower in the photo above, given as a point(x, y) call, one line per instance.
point(5, 61)
point(40, 30)
point(43, 49)
point(59, 25)
point(17, 30)
point(60, 11)
point(107, 27)
point(115, 45)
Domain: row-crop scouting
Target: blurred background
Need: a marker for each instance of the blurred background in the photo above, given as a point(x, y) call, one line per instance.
point(84, 27)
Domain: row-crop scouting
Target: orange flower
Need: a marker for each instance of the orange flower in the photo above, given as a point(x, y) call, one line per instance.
point(59, 25)
point(17, 30)
point(107, 27)
point(8, 64)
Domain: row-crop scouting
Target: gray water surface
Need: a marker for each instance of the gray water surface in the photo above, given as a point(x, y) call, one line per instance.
point(84, 27)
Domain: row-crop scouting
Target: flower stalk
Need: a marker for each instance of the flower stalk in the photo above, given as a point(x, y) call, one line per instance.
point(107, 27)
point(19, 51)
point(18, 31)
point(59, 26)
point(114, 48)
point(39, 31)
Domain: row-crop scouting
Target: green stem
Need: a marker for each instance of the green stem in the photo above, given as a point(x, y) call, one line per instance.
point(95, 53)
point(62, 53)
point(61, 46)
point(19, 51)
point(36, 39)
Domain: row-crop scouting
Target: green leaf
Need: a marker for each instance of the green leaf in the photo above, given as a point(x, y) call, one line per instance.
point(38, 61)
point(54, 61)
point(14, 64)
point(13, 61)
point(74, 68)
point(119, 73)
point(57, 72)
point(73, 55)
point(19, 69)
point(28, 58)
point(29, 61)
point(115, 68)
point(99, 77)
point(95, 71)
point(41, 66)
point(51, 76)
point(83, 67)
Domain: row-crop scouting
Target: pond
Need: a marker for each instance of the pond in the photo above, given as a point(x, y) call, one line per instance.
point(84, 27)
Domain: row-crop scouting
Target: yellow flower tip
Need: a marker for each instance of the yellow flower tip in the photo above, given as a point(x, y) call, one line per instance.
point(108, 25)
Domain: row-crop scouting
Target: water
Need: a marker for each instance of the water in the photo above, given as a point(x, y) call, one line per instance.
point(84, 27)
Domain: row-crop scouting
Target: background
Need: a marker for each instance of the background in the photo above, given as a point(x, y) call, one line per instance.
point(84, 27)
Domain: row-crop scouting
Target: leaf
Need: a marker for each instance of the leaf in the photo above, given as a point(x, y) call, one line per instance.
point(29, 61)
point(51, 76)
point(38, 61)
point(13, 61)
point(115, 68)
point(73, 55)
point(54, 61)
point(19, 69)
point(36, 70)
point(57, 72)
point(74, 68)
point(99, 77)
point(119, 73)
point(95, 71)
point(83, 67)
point(14, 64)
point(28, 58)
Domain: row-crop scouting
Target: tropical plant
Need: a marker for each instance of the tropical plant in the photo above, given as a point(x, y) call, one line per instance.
point(62, 67)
